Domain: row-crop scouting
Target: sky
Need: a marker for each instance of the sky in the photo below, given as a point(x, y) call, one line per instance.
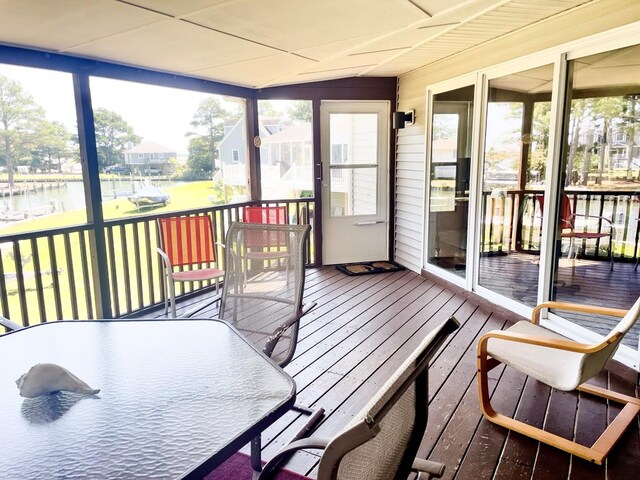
point(158, 114)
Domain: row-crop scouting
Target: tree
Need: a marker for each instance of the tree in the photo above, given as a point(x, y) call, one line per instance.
point(19, 114)
point(630, 117)
point(199, 166)
point(112, 134)
point(301, 110)
point(50, 142)
point(209, 119)
point(266, 109)
point(539, 139)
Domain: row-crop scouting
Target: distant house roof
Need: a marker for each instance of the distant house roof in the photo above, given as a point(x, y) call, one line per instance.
point(150, 147)
point(229, 131)
point(296, 133)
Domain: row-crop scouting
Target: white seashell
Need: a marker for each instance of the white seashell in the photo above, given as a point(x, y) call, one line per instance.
point(45, 378)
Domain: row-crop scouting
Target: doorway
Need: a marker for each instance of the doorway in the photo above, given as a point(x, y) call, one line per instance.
point(355, 157)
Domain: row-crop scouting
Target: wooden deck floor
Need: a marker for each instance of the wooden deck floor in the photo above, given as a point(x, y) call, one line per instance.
point(584, 281)
point(364, 327)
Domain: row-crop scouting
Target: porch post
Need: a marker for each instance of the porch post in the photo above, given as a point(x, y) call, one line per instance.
point(92, 195)
point(253, 131)
point(317, 181)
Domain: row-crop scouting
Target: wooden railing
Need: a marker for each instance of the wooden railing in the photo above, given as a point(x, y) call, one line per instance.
point(513, 221)
point(48, 275)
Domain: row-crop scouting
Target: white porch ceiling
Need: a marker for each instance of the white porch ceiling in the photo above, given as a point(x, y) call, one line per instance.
point(258, 43)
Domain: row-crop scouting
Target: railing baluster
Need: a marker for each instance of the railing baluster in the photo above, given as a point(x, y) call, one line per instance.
point(625, 229)
point(84, 261)
point(72, 279)
point(125, 267)
point(4, 300)
point(137, 262)
point(115, 300)
point(151, 252)
point(37, 272)
point(614, 212)
point(17, 258)
point(53, 261)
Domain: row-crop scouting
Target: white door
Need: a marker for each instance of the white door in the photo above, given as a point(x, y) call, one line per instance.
point(355, 204)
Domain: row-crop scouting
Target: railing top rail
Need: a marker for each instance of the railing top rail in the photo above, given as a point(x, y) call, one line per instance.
point(49, 232)
point(143, 218)
point(572, 192)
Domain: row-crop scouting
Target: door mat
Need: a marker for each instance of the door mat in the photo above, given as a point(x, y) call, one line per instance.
point(366, 268)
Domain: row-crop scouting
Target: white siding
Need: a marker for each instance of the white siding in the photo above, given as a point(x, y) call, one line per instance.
point(585, 20)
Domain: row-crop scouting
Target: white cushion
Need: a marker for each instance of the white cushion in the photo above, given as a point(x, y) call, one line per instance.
point(557, 368)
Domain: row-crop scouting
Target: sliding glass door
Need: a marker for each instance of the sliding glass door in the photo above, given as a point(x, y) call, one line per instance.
point(513, 177)
point(449, 183)
point(598, 204)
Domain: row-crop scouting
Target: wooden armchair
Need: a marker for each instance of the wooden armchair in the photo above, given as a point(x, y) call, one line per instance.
point(562, 364)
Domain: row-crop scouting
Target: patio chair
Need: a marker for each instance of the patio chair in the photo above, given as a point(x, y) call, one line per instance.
point(260, 246)
point(187, 242)
point(382, 440)
point(9, 325)
point(270, 215)
point(568, 226)
point(561, 364)
point(263, 300)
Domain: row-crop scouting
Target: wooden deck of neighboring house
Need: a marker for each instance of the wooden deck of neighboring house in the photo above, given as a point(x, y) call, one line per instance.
point(363, 328)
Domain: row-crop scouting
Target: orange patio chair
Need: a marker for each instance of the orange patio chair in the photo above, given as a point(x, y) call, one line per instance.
point(187, 242)
point(266, 245)
point(269, 215)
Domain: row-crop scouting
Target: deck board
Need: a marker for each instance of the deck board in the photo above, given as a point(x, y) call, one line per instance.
point(362, 329)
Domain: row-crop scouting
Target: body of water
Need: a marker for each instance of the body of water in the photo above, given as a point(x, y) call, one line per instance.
point(71, 196)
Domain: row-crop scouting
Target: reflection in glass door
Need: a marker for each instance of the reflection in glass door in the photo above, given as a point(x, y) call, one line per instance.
point(513, 174)
point(450, 144)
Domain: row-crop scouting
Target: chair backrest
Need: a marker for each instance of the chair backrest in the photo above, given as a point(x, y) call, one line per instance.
point(567, 219)
point(268, 215)
point(382, 440)
point(271, 215)
point(187, 240)
point(593, 363)
point(262, 298)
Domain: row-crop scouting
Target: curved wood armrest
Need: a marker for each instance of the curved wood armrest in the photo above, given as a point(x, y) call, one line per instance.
point(558, 344)
point(575, 307)
point(311, 442)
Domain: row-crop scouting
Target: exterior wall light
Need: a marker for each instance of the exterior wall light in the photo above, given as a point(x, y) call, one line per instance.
point(400, 119)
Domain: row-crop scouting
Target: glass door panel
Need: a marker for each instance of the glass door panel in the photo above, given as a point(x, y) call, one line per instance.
point(513, 173)
point(449, 182)
point(598, 205)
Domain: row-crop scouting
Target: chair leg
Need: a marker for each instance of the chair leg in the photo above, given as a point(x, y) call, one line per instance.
point(596, 453)
point(172, 297)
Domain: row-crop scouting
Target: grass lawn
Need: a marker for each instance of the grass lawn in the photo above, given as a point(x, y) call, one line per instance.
point(183, 197)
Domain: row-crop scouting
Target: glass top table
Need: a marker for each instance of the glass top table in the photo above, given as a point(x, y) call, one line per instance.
point(178, 397)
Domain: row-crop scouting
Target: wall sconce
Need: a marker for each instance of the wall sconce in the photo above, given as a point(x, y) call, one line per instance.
point(400, 119)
